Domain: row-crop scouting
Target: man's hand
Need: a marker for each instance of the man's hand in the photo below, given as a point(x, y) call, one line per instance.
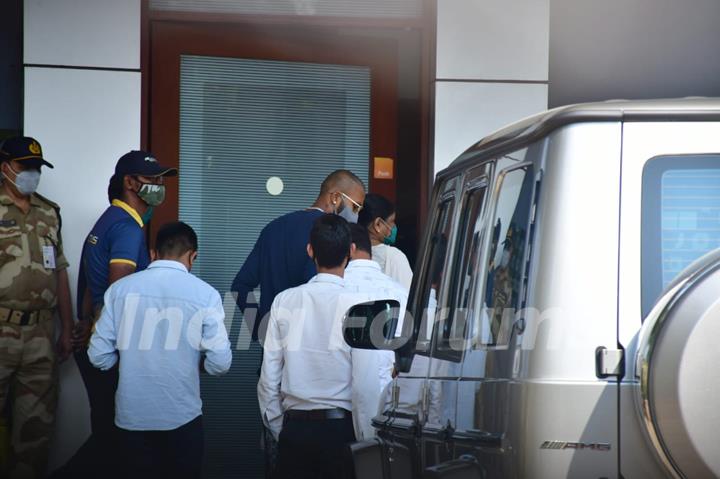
point(64, 345)
point(81, 335)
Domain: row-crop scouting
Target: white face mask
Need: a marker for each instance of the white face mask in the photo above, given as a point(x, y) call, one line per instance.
point(26, 182)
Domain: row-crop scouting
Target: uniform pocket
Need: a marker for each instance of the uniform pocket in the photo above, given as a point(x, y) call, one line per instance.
point(10, 244)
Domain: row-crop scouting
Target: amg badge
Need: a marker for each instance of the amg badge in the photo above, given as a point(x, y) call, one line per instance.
point(591, 446)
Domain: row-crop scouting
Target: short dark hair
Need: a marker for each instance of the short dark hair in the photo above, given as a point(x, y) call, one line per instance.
point(330, 239)
point(116, 187)
point(175, 239)
point(375, 206)
point(361, 238)
point(341, 180)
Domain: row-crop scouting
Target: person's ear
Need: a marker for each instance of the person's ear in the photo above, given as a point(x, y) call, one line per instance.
point(377, 224)
point(310, 251)
point(353, 249)
point(192, 256)
point(153, 254)
point(129, 183)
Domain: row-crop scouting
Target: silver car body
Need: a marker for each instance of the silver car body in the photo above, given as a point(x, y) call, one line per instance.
point(544, 218)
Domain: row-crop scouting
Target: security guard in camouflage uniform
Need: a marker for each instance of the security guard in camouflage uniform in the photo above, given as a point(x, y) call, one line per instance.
point(33, 285)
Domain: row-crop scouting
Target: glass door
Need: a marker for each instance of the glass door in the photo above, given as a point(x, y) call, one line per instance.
point(256, 139)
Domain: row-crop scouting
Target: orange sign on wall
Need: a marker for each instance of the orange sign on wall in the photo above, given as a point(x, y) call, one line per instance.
point(383, 169)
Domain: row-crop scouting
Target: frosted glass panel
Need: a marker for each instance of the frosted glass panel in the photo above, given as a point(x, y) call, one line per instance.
point(333, 8)
point(257, 137)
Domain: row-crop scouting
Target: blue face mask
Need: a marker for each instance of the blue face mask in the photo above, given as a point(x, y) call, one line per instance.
point(347, 211)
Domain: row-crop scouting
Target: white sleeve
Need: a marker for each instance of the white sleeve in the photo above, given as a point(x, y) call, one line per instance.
point(371, 372)
point(102, 350)
point(215, 343)
point(398, 268)
point(268, 388)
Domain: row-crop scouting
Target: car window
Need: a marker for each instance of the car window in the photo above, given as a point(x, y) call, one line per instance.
point(506, 260)
point(452, 329)
point(680, 218)
point(434, 278)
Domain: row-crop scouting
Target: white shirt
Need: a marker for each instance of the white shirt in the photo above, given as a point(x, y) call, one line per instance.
point(367, 279)
point(393, 263)
point(160, 321)
point(306, 363)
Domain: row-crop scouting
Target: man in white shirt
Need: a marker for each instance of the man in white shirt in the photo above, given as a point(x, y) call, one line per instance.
point(364, 276)
point(161, 323)
point(305, 390)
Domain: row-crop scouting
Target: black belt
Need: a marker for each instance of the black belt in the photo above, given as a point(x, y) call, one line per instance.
point(25, 318)
point(317, 414)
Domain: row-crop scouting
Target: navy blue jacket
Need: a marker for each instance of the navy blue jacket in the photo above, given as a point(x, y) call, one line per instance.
point(277, 262)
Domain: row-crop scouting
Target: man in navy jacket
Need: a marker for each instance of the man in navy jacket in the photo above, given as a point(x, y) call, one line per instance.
point(279, 260)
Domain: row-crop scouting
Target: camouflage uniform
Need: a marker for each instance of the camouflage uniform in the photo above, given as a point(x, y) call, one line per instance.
point(28, 376)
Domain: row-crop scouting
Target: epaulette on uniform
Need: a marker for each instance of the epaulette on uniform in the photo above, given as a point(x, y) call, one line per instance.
point(54, 206)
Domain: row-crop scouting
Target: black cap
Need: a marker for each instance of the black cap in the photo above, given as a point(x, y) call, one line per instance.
point(142, 163)
point(24, 149)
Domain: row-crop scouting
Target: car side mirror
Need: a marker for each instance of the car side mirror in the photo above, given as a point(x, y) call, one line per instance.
point(373, 325)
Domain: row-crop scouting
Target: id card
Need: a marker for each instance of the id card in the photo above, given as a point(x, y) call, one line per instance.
point(48, 257)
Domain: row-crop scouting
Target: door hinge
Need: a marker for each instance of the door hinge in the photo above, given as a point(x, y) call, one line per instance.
point(609, 362)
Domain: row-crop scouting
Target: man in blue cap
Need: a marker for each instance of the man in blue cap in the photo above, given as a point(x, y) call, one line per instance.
point(114, 248)
point(33, 286)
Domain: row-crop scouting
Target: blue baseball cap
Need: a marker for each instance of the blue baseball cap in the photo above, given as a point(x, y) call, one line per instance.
point(142, 163)
point(24, 149)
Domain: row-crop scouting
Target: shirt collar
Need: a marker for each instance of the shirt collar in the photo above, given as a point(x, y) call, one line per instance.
point(364, 263)
point(168, 263)
point(129, 210)
point(6, 200)
point(327, 278)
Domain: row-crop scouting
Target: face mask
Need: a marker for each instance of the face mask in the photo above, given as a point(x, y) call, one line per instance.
point(147, 216)
point(26, 182)
point(349, 216)
point(152, 195)
point(347, 213)
point(392, 237)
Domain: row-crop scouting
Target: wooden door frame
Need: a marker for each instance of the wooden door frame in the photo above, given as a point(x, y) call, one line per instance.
point(310, 25)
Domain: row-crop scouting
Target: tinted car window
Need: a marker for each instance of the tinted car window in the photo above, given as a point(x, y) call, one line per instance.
point(680, 218)
point(434, 278)
point(507, 259)
point(452, 327)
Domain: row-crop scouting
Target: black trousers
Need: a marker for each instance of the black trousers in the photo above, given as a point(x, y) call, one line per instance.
point(100, 449)
point(156, 454)
point(314, 449)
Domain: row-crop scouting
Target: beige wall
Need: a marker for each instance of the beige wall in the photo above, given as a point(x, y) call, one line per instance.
point(492, 69)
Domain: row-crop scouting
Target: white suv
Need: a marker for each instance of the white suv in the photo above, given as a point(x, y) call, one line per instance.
point(566, 305)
